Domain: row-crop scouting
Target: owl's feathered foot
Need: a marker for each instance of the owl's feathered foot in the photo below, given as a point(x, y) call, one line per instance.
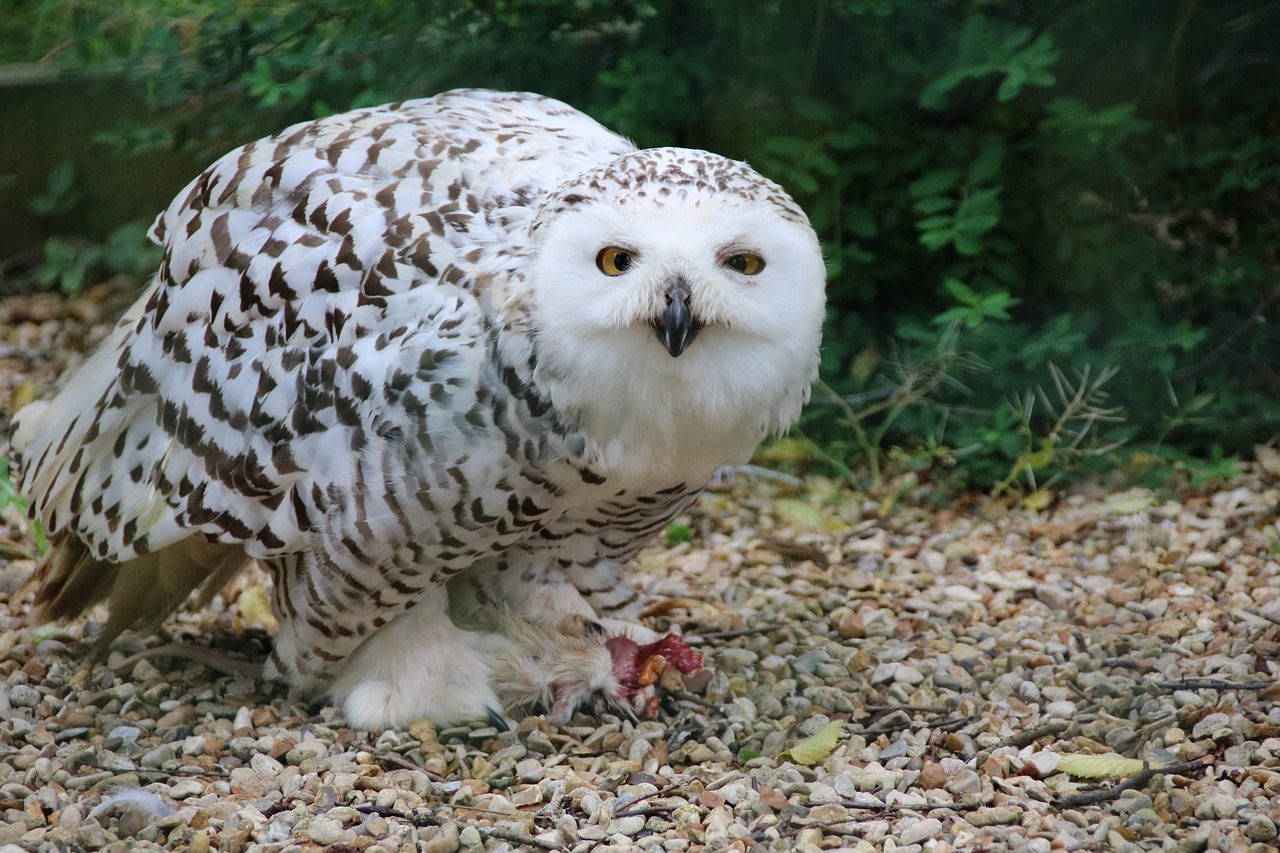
point(562, 667)
point(421, 665)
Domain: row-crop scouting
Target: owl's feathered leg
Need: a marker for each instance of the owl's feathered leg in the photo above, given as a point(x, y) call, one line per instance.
point(419, 665)
point(560, 654)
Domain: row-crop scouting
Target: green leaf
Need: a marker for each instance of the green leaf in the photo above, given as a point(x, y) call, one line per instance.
point(960, 291)
point(678, 533)
point(1011, 85)
point(933, 223)
point(855, 135)
point(986, 165)
point(934, 182)
point(933, 204)
point(813, 749)
point(935, 240)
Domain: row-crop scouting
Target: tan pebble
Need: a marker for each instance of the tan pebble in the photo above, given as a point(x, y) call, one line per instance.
point(711, 799)
point(932, 776)
point(828, 812)
point(1204, 559)
point(851, 626)
point(180, 716)
point(1120, 596)
point(263, 716)
point(995, 816)
point(772, 797)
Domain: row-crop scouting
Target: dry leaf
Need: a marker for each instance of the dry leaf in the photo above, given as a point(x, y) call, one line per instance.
point(255, 607)
point(1130, 502)
point(24, 392)
point(813, 749)
point(1268, 458)
point(1038, 500)
point(1100, 766)
point(799, 513)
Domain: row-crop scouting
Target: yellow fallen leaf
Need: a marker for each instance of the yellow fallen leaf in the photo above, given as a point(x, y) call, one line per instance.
point(1038, 500)
point(1130, 502)
point(24, 392)
point(813, 749)
point(255, 608)
point(1099, 766)
point(1268, 458)
point(799, 513)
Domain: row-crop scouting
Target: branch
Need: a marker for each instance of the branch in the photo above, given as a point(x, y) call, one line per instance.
point(1215, 684)
point(1106, 795)
point(1024, 738)
point(703, 639)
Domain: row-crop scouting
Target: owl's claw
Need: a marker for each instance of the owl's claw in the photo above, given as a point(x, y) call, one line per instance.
point(496, 720)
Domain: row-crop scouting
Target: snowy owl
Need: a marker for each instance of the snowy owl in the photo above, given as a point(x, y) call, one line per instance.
point(441, 367)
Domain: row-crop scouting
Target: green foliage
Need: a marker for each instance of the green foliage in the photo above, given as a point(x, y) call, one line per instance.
point(1015, 200)
point(60, 194)
point(678, 533)
point(9, 497)
point(69, 264)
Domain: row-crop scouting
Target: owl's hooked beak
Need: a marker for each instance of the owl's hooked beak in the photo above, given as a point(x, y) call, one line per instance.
point(676, 326)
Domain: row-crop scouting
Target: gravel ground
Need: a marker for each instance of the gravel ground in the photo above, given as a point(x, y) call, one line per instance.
point(963, 651)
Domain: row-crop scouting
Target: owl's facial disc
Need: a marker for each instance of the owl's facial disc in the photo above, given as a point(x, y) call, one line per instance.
point(676, 326)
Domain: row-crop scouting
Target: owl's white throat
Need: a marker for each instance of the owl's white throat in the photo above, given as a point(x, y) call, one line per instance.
point(650, 419)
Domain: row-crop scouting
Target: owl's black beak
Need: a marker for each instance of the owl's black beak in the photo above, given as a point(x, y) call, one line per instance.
point(676, 326)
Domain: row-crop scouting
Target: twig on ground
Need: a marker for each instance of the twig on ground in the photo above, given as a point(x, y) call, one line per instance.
point(141, 771)
point(516, 837)
point(1106, 795)
point(923, 709)
point(703, 638)
point(216, 661)
point(631, 809)
point(398, 760)
point(1024, 738)
point(419, 819)
point(1215, 684)
point(908, 807)
point(1126, 663)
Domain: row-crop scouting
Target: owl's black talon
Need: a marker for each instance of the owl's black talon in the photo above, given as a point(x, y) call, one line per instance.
point(496, 720)
point(594, 628)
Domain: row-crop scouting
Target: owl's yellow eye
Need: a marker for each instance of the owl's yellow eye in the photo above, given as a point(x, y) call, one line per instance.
point(747, 263)
point(613, 260)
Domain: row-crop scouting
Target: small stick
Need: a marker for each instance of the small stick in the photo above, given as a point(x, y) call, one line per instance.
point(487, 831)
point(907, 807)
point(1024, 738)
point(627, 810)
point(399, 761)
point(702, 639)
point(924, 709)
point(140, 771)
point(1215, 684)
point(1106, 795)
point(216, 661)
point(516, 838)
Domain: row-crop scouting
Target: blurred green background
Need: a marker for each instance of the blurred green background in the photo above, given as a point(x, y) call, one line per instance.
point(1051, 228)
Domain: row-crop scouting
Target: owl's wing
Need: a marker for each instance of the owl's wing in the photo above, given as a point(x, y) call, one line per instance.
point(303, 276)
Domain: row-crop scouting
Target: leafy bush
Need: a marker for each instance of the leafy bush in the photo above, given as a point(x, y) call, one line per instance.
point(1051, 228)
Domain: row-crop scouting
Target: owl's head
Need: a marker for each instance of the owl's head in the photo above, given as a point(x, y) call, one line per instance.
point(678, 291)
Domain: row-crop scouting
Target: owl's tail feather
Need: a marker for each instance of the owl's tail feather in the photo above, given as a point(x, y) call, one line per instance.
point(140, 592)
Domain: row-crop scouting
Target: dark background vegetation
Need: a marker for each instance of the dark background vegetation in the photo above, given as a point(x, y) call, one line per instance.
point(1051, 227)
